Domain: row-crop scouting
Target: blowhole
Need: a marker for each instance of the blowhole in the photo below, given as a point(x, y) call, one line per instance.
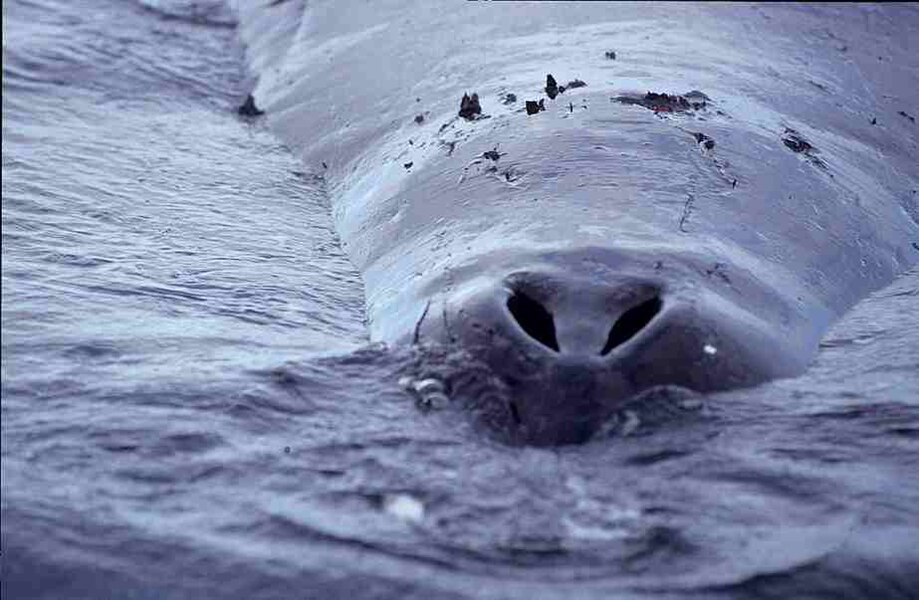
point(631, 322)
point(534, 319)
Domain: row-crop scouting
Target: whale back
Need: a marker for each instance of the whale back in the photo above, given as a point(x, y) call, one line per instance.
point(810, 184)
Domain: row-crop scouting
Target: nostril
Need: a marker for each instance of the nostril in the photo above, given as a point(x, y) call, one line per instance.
point(631, 322)
point(534, 319)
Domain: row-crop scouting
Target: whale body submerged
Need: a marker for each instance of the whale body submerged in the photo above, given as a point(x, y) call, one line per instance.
point(726, 184)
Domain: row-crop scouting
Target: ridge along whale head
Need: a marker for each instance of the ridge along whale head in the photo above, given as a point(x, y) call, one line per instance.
point(568, 336)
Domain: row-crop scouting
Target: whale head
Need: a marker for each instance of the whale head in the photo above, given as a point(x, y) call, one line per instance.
point(568, 337)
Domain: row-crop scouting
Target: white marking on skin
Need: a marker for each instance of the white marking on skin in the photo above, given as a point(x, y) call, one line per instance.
point(709, 349)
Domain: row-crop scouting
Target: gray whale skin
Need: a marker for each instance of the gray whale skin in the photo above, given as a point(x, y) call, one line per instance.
point(601, 250)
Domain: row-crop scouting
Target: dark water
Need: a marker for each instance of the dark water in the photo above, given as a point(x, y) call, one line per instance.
point(190, 409)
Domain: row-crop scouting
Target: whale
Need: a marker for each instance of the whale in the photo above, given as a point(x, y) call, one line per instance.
point(589, 201)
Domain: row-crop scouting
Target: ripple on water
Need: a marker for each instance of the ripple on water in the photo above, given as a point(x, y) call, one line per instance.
point(189, 406)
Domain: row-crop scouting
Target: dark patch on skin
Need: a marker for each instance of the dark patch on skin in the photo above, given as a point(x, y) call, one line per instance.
point(903, 113)
point(795, 142)
point(704, 141)
point(609, 54)
point(874, 120)
point(707, 145)
point(457, 135)
point(534, 107)
point(667, 103)
point(419, 118)
point(551, 87)
point(249, 109)
point(470, 109)
point(492, 154)
point(408, 165)
point(719, 270)
point(509, 99)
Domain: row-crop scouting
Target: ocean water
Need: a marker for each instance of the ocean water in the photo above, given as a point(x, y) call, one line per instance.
point(191, 407)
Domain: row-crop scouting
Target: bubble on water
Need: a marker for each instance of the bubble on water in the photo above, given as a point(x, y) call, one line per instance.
point(404, 507)
point(429, 392)
point(428, 386)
